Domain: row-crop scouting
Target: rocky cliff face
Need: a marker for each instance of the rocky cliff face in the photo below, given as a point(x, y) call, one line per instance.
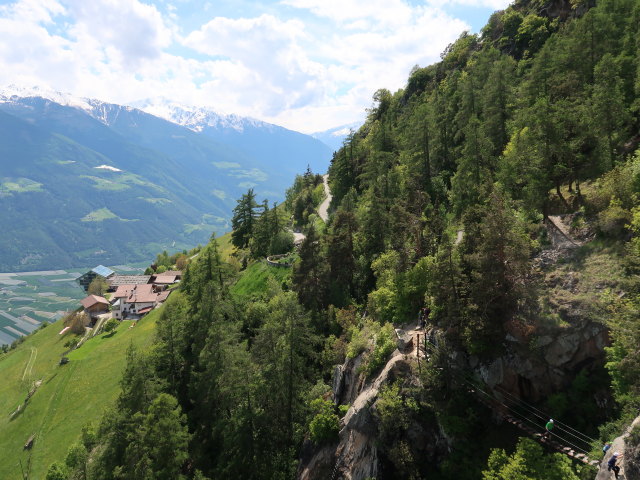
point(356, 456)
point(532, 371)
point(547, 363)
point(627, 443)
point(535, 362)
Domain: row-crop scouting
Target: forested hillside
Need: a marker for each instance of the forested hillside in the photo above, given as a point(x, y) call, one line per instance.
point(498, 190)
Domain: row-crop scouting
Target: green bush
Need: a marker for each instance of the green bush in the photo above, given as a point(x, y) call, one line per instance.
point(325, 425)
point(358, 343)
point(613, 220)
point(281, 243)
point(57, 471)
point(111, 325)
point(385, 344)
point(383, 339)
point(382, 303)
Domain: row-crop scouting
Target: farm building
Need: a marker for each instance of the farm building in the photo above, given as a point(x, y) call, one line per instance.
point(99, 271)
point(95, 305)
point(117, 280)
point(134, 301)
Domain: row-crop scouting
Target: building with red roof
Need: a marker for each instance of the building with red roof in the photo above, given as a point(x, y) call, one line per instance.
point(95, 305)
point(133, 301)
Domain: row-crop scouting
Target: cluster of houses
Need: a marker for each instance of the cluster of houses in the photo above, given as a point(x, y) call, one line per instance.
point(132, 296)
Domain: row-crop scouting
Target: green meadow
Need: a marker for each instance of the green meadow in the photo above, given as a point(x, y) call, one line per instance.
point(69, 396)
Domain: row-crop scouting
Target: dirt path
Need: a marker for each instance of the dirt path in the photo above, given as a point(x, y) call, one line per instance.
point(323, 209)
point(560, 235)
point(459, 237)
point(32, 360)
point(101, 319)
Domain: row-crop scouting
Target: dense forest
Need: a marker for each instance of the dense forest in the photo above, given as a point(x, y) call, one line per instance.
point(442, 200)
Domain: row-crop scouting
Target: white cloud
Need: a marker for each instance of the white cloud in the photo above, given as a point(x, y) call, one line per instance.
point(269, 50)
point(129, 31)
point(493, 4)
point(306, 72)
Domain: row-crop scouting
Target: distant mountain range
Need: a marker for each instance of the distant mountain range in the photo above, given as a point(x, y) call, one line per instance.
point(84, 181)
point(334, 137)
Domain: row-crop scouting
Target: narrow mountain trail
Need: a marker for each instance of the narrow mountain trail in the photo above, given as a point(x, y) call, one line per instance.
point(323, 209)
point(101, 320)
point(420, 352)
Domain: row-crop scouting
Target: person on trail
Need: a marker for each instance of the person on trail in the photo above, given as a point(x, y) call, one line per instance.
point(606, 447)
point(611, 464)
point(548, 427)
point(424, 316)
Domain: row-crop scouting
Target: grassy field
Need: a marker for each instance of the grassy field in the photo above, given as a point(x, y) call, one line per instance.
point(70, 396)
point(225, 246)
point(255, 278)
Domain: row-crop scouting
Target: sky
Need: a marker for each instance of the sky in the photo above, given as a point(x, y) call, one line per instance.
point(308, 65)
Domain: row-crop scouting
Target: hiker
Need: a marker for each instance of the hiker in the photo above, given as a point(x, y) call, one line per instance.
point(611, 464)
point(424, 316)
point(606, 448)
point(548, 427)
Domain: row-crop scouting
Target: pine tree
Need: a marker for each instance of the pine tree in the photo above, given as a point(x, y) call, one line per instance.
point(243, 220)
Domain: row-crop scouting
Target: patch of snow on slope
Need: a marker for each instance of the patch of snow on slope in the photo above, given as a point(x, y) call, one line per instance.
point(109, 167)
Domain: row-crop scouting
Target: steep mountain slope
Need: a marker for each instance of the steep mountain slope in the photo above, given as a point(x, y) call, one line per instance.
point(85, 181)
point(272, 144)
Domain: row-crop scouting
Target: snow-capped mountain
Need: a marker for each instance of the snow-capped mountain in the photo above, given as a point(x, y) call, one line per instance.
point(194, 118)
point(334, 137)
point(198, 118)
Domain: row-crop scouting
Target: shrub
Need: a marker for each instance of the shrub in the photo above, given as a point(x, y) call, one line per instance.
point(383, 339)
point(343, 409)
point(71, 342)
point(281, 243)
point(76, 321)
point(359, 342)
point(385, 344)
point(382, 304)
point(57, 471)
point(613, 220)
point(325, 425)
point(111, 325)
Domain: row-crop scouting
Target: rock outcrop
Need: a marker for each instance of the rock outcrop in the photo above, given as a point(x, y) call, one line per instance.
point(630, 461)
point(356, 455)
point(546, 363)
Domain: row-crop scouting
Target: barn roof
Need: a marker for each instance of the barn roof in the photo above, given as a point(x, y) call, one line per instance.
point(92, 300)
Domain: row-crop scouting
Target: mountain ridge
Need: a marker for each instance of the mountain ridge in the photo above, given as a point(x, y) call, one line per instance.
point(135, 166)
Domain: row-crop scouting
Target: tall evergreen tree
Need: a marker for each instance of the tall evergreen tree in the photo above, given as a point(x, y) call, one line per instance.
point(243, 220)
